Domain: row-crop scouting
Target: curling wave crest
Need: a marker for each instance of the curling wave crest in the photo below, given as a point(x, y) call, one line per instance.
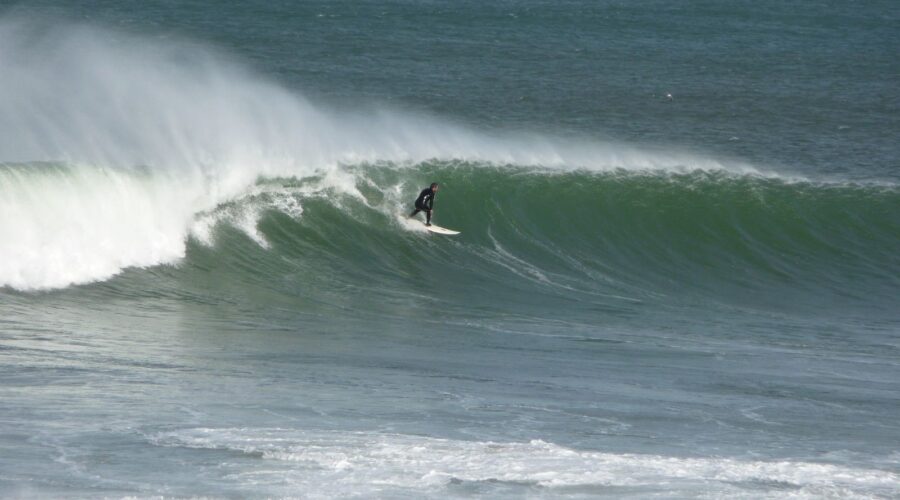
point(113, 144)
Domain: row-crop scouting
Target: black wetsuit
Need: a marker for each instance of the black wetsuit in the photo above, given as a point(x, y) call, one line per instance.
point(424, 203)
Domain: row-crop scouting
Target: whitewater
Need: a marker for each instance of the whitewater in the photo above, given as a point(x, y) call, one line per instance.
point(677, 274)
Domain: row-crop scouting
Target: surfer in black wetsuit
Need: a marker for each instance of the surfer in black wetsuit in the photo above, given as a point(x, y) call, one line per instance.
point(425, 201)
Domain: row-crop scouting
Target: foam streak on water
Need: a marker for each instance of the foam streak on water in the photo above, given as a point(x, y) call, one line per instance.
point(353, 462)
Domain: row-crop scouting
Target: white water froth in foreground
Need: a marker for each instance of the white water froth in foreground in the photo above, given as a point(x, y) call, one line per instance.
point(337, 464)
point(146, 134)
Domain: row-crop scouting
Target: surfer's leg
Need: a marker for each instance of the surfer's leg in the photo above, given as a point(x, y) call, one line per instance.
point(414, 212)
point(428, 217)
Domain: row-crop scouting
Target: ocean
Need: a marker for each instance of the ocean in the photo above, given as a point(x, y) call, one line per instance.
point(678, 273)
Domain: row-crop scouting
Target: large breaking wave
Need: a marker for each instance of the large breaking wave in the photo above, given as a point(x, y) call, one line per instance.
point(120, 151)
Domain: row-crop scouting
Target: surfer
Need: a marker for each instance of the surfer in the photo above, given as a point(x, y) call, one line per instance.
point(425, 202)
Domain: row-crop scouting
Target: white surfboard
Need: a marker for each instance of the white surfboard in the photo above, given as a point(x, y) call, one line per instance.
point(440, 230)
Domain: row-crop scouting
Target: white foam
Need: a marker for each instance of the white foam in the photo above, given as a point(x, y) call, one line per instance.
point(327, 463)
point(61, 227)
point(154, 132)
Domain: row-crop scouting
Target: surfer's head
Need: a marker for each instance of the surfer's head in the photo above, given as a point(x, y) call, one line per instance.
point(434, 186)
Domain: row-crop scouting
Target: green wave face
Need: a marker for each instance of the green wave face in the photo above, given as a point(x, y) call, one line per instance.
point(535, 243)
